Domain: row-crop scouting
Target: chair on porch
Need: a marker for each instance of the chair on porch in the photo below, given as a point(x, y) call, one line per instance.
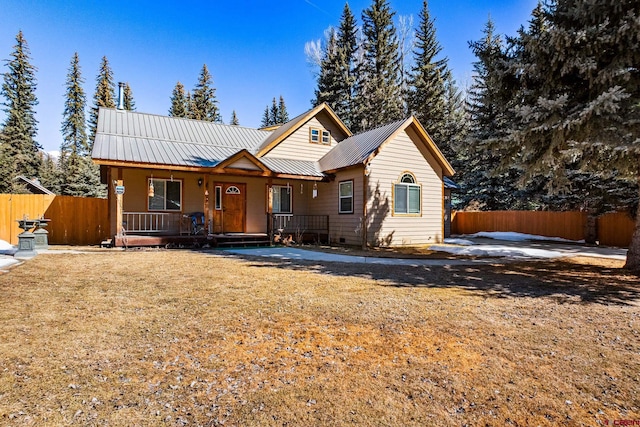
point(192, 223)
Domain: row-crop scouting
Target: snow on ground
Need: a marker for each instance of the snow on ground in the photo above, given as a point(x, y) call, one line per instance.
point(518, 237)
point(461, 242)
point(498, 251)
point(5, 245)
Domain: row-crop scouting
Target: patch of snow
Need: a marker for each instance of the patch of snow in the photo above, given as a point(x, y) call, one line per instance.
point(5, 245)
point(498, 251)
point(518, 237)
point(7, 261)
point(461, 242)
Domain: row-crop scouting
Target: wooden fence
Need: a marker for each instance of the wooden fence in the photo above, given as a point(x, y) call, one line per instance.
point(615, 229)
point(74, 220)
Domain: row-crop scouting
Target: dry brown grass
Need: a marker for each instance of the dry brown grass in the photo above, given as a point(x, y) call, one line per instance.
point(186, 338)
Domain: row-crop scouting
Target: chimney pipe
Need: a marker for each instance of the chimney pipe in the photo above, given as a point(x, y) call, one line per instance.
point(120, 96)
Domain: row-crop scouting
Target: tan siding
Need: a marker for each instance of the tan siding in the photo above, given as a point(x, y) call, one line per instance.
point(341, 226)
point(398, 156)
point(243, 163)
point(298, 147)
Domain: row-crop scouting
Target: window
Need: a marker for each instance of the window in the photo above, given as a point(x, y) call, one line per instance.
point(218, 201)
point(406, 195)
point(315, 135)
point(326, 137)
point(318, 136)
point(167, 194)
point(346, 197)
point(281, 199)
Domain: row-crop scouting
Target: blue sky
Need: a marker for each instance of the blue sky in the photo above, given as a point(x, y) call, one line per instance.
point(253, 49)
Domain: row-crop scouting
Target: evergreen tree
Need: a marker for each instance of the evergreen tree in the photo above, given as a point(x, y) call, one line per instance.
point(74, 133)
point(129, 103)
point(378, 94)
point(104, 96)
point(327, 90)
point(205, 104)
point(266, 118)
point(583, 118)
point(282, 115)
point(484, 183)
point(234, 119)
point(189, 105)
point(50, 174)
point(451, 136)
point(18, 148)
point(179, 106)
point(427, 84)
point(273, 113)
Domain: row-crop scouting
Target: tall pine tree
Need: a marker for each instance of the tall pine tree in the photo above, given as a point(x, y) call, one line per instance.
point(204, 102)
point(378, 90)
point(282, 115)
point(234, 119)
point(585, 115)
point(484, 183)
point(104, 96)
point(18, 147)
point(426, 95)
point(179, 107)
point(79, 175)
point(127, 95)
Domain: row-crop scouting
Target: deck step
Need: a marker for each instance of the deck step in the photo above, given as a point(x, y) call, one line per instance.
point(243, 243)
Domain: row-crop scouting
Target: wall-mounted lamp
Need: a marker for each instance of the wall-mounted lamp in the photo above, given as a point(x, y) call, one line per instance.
point(367, 170)
point(199, 182)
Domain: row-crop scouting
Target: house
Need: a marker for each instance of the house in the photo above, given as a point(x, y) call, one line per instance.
point(310, 177)
point(33, 185)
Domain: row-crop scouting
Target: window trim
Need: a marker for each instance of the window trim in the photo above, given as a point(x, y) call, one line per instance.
point(178, 180)
point(340, 197)
point(407, 186)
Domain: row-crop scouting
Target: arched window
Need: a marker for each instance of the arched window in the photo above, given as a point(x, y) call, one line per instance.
point(407, 195)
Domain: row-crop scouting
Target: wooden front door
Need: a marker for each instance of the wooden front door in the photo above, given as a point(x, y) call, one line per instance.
point(234, 203)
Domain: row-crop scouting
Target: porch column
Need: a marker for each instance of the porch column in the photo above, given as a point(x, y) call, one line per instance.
point(119, 201)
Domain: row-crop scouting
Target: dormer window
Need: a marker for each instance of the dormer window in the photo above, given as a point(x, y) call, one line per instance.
point(319, 136)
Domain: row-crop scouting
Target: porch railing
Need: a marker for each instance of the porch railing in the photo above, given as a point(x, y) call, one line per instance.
point(299, 225)
point(151, 222)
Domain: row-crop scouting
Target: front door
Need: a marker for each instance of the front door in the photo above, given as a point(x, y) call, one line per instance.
point(234, 202)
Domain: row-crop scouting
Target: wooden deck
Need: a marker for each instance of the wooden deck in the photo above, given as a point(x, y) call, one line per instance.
point(213, 240)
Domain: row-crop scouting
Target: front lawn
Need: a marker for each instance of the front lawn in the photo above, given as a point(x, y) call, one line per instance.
point(185, 338)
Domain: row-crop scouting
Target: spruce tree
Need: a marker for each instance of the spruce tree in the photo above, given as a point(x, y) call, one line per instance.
point(178, 102)
point(426, 95)
point(104, 96)
point(266, 118)
point(18, 147)
point(329, 74)
point(273, 113)
point(584, 116)
point(129, 103)
point(378, 94)
point(74, 134)
point(204, 102)
point(282, 115)
point(484, 183)
point(234, 119)
point(50, 174)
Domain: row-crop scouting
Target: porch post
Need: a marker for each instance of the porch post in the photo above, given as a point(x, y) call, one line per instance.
point(269, 201)
point(119, 200)
point(206, 206)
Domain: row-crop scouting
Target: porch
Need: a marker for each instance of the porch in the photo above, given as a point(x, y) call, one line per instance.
point(190, 229)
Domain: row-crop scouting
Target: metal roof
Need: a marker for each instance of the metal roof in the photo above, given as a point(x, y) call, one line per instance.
point(292, 167)
point(357, 148)
point(146, 138)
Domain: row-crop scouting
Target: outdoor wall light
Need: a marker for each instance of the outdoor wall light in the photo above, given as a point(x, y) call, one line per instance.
point(199, 182)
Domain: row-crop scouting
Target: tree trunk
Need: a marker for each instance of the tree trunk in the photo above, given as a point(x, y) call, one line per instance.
point(633, 255)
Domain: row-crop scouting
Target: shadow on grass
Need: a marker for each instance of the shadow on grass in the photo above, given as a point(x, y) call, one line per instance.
point(564, 281)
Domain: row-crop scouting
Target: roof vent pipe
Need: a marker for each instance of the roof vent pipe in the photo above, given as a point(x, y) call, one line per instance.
point(120, 96)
